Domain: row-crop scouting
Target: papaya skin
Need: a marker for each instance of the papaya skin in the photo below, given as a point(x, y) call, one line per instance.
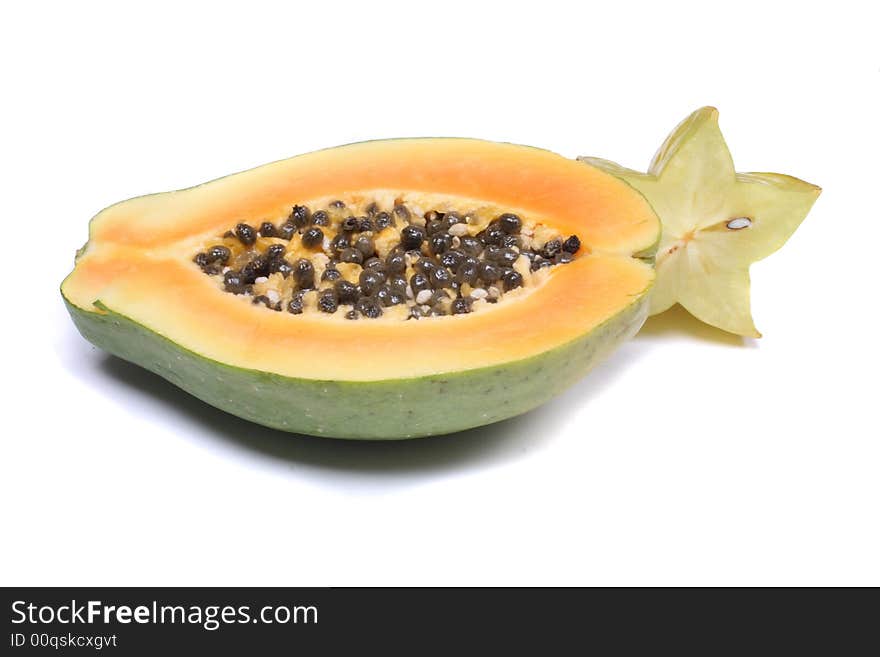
point(388, 410)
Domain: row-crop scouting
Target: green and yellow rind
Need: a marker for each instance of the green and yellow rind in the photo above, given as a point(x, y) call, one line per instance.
point(391, 409)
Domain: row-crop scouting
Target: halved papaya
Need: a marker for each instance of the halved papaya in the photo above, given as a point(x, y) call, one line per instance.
point(385, 289)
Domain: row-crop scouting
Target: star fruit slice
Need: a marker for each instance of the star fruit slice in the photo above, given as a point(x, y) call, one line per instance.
point(716, 222)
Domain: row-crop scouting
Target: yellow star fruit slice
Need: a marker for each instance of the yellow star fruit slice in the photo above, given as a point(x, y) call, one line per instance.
point(716, 222)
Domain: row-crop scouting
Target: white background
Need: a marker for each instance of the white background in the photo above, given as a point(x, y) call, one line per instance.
point(689, 457)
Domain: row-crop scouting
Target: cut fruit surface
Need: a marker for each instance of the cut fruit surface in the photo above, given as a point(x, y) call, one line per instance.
point(716, 222)
point(530, 268)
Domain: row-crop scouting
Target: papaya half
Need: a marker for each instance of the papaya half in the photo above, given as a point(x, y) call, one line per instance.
point(380, 290)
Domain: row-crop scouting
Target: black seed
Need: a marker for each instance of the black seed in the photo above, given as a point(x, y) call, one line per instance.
point(349, 224)
point(369, 307)
point(372, 209)
point(470, 245)
point(488, 272)
point(201, 260)
point(507, 257)
point(337, 205)
point(264, 300)
point(312, 237)
point(219, 254)
point(434, 226)
point(296, 304)
point(365, 224)
point(509, 223)
point(259, 266)
point(340, 243)
point(365, 245)
point(351, 255)
point(461, 306)
point(397, 283)
point(245, 234)
point(395, 263)
point(562, 258)
point(572, 244)
point(374, 263)
point(492, 235)
point(346, 291)
point(425, 265)
point(466, 273)
point(370, 281)
point(492, 252)
point(402, 211)
point(382, 220)
point(233, 282)
point(419, 282)
point(327, 302)
point(267, 229)
point(331, 274)
point(287, 230)
point(351, 314)
point(388, 297)
point(551, 248)
point(452, 259)
point(321, 218)
point(510, 241)
point(275, 251)
point(304, 273)
point(300, 216)
point(450, 219)
point(441, 277)
point(411, 237)
point(281, 267)
point(383, 296)
point(440, 243)
point(540, 263)
point(436, 303)
point(416, 313)
point(512, 279)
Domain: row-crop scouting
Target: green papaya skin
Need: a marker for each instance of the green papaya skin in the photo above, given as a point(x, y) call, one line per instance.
point(387, 410)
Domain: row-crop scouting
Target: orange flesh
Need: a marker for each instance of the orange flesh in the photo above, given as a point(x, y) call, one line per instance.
point(135, 264)
point(602, 210)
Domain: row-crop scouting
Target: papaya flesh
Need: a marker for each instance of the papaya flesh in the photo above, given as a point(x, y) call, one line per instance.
point(145, 287)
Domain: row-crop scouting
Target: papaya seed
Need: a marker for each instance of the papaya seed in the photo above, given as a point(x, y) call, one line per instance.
point(442, 267)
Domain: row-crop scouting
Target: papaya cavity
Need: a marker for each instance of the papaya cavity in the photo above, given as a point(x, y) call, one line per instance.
point(363, 258)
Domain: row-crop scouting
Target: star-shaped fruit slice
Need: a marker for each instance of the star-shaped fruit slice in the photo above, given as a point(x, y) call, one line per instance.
point(716, 222)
